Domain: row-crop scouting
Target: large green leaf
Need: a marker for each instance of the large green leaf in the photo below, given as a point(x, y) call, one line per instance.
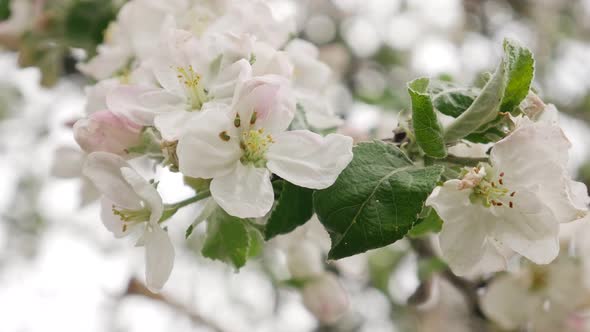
point(230, 239)
point(5, 11)
point(376, 199)
point(427, 128)
point(294, 208)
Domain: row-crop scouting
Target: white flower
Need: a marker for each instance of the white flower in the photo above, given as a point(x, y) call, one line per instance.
point(311, 80)
point(540, 297)
point(325, 298)
point(131, 203)
point(239, 149)
point(515, 205)
point(185, 69)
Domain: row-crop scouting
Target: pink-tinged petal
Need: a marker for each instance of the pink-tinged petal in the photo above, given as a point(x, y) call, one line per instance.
point(142, 104)
point(509, 302)
point(211, 147)
point(104, 131)
point(529, 228)
point(308, 159)
point(245, 193)
point(271, 99)
point(159, 257)
point(111, 221)
point(104, 170)
point(146, 191)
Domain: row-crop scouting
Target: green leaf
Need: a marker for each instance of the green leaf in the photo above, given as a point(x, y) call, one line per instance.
point(294, 208)
point(256, 242)
point(228, 239)
point(521, 69)
point(5, 11)
point(376, 199)
point(428, 131)
point(503, 92)
point(86, 22)
point(431, 223)
point(450, 99)
point(485, 107)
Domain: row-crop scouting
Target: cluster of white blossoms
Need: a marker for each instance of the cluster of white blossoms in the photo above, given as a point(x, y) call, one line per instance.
point(515, 204)
point(211, 88)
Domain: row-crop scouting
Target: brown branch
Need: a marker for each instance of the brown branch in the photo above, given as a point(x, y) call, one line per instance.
point(136, 287)
point(467, 288)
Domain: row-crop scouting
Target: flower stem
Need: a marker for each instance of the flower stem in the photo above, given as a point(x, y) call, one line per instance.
point(171, 209)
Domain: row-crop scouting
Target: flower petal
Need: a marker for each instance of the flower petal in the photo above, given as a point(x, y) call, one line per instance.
point(508, 302)
point(172, 125)
point(530, 228)
point(272, 100)
point(246, 192)
point(146, 191)
point(212, 146)
point(142, 104)
point(226, 82)
point(159, 257)
point(309, 160)
point(464, 239)
point(104, 170)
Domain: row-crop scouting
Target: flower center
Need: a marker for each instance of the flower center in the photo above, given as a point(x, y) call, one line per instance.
point(195, 91)
point(487, 190)
point(131, 217)
point(254, 144)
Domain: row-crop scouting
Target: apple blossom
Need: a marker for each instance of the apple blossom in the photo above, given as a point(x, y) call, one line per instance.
point(540, 297)
point(514, 205)
point(105, 131)
point(240, 148)
point(184, 70)
point(130, 203)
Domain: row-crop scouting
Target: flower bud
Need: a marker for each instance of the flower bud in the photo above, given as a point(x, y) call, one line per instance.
point(325, 298)
point(105, 131)
point(304, 260)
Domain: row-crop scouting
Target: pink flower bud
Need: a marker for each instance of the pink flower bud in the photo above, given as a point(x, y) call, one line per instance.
point(325, 298)
point(107, 132)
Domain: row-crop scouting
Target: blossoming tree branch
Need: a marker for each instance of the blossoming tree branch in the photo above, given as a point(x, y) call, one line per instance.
point(223, 94)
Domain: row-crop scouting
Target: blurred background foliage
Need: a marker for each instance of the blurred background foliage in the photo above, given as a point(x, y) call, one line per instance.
point(374, 48)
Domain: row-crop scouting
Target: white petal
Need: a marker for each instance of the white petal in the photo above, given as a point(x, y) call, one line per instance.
point(317, 109)
point(159, 257)
point(104, 170)
point(142, 104)
point(172, 125)
point(146, 191)
point(530, 144)
point(464, 238)
point(202, 153)
point(246, 192)
point(224, 85)
point(112, 222)
point(109, 60)
point(508, 301)
point(530, 228)
point(308, 159)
